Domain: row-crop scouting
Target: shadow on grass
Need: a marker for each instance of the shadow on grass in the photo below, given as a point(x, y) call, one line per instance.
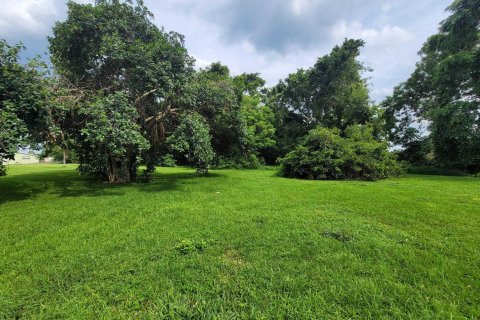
point(70, 184)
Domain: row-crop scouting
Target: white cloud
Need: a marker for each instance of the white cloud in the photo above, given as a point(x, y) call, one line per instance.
point(201, 63)
point(29, 16)
point(384, 36)
point(300, 6)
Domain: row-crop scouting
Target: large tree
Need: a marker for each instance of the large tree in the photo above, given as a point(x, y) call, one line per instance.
point(444, 92)
point(109, 50)
point(23, 101)
point(214, 95)
point(332, 93)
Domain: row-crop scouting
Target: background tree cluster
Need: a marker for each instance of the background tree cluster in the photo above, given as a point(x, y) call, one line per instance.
point(124, 93)
point(442, 93)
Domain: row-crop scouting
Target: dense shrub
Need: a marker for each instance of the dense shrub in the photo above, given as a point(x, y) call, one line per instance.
point(324, 154)
point(167, 160)
point(192, 139)
point(418, 152)
point(250, 161)
point(436, 171)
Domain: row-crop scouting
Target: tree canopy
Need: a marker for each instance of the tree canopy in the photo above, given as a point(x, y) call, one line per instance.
point(112, 55)
point(444, 92)
point(124, 93)
point(23, 102)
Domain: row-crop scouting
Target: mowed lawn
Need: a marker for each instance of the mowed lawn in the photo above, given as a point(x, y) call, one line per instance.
point(238, 244)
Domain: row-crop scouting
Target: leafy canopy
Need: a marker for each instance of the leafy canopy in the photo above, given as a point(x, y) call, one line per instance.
point(324, 154)
point(23, 100)
point(444, 91)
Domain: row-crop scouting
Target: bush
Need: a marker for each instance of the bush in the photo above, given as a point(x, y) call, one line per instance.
point(325, 155)
point(435, 171)
point(417, 153)
point(250, 161)
point(192, 139)
point(168, 161)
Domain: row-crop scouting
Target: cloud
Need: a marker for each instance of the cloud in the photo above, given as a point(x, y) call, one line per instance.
point(383, 37)
point(28, 16)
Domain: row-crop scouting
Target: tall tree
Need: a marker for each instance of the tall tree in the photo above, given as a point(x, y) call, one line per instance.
point(23, 100)
point(213, 95)
point(332, 93)
point(444, 91)
point(114, 47)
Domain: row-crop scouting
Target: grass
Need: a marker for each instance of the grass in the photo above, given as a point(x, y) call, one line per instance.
point(238, 244)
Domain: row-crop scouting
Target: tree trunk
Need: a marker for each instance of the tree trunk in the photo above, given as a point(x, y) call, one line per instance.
point(120, 171)
point(64, 156)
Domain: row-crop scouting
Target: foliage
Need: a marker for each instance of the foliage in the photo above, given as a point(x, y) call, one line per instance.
point(417, 152)
point(325, 155)
point(213, 96)
point(332, 94)
point(168, 160)
point(250, 84)
point(444, 91)
point(60, 155)
point(114, 47)
point(111, 130)
point(249, 161)
point(435, 171)
point(193, 140)
point(23, 96)
point(259, 121)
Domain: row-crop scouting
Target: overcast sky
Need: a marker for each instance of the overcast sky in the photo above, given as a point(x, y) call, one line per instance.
point(273, 37)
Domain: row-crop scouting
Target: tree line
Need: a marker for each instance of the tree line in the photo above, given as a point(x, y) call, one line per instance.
point(121, 92)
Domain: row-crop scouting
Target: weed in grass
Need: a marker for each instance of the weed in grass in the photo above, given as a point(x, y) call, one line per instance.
point(341, 236)
point(187, 246)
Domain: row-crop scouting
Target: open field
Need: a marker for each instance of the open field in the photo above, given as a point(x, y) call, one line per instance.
point(237, 244)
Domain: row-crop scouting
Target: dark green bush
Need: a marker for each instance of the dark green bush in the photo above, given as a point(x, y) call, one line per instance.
point(192, 139)
point(250, 161)
point(168, 160)
point(435, 171)
point(324, 154)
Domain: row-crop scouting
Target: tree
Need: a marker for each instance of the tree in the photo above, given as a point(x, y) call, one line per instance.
point(326, 154)
point(444, 91)
point(114, 47)
point(250, 84)
point(192, 139)
point(112, 138)
point(259, 120)
point(332, 94)
point(212, 94)
point(23, 99)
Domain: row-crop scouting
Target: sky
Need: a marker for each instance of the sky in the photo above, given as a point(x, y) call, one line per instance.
point(274, 37)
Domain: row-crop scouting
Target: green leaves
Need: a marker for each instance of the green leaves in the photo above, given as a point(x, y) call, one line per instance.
point(444, 91)
point(326, 155)
point(23, 102)
point(192, 140)
point(332, 94)
point(112, 123)
point(111, 128)
point(259, 121)
point(132, 75)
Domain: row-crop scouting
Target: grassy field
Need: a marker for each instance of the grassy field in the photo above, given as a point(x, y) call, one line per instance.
point(237, 244)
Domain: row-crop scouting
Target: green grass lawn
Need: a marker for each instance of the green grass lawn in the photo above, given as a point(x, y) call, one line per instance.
point(237, 244)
